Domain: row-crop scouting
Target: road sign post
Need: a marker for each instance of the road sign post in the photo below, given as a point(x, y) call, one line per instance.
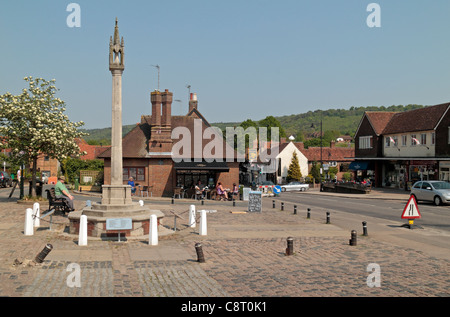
point(411, 212)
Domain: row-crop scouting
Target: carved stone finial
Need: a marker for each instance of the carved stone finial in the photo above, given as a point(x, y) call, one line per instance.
point(116, 50)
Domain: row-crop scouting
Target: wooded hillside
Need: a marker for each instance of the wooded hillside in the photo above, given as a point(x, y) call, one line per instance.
point(303, 126)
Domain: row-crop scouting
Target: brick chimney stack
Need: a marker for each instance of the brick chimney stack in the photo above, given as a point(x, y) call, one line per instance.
point(161, 124)
point(155, 98)
point(193, 102)
point(166, 119)
point(332, 144)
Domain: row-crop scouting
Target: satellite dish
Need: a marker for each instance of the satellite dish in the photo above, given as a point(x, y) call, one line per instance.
point(291, 138)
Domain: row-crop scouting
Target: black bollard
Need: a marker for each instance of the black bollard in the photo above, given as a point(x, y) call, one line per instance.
point(308, 213)
point(364, 228)
point(353, 238)
point(273, 203)
point(203, 202)
point(45, 251)
point(234, 203)
point(328, 217)
point(199, 250)
point(173, 201)
point(290, 246)
point(282, 206)
point(295, 209)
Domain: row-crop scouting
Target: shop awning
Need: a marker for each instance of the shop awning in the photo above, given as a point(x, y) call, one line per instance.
point(206, 166)
point(359, 166)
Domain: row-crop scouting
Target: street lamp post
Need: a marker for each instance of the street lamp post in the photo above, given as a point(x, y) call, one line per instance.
point(321, 146)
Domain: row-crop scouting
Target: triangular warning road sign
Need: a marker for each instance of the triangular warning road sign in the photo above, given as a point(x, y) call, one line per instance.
point(411, 210)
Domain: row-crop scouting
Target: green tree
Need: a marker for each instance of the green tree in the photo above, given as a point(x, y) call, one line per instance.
point(315, 171)
point(272, 122)
point(71, 167)
point(34, 122)
point(294, 173)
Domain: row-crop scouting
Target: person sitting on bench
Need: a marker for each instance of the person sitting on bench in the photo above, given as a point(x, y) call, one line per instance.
point(62, 192)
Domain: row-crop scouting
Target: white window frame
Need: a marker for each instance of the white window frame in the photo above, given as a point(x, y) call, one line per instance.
point(448, 137)
point(413, 143)
point(365, 142)
point(423, 138)
point(404, 140)
point(387, 141)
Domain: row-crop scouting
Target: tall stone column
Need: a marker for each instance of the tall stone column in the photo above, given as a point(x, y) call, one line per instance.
point(116, 193)
point(116, 198)
point(116, 129)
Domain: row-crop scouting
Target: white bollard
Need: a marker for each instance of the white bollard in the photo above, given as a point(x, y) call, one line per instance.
point(203, 227)
point(28, 230)
point(141, 203)
point(153, 232)
point(192, 216)
point(82, 234)
point(36, 215)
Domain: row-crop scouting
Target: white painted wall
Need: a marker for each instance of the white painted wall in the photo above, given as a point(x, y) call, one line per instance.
point(408, 150)
point(286, 157)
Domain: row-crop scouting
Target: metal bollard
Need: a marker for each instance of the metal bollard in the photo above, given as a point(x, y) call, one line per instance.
point(173, 201)
point(290, 246)
point(295, 209)
point(199, 250)
point(273, 203)
point(203, 202)
point(353, 238)
point(328, 217)
point(45, 251)
point(364, 228)
point(308, 213)
point(282, 206)
point(234, 203)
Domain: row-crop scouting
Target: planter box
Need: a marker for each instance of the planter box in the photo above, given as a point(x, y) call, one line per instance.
point(90, 188)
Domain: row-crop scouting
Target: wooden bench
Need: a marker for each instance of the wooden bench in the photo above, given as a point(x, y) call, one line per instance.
point(56, 203)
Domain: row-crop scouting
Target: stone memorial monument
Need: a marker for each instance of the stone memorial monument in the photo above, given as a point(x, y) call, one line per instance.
point(116, 198)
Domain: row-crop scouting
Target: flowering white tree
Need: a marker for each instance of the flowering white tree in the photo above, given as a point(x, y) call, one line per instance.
point(33, 123)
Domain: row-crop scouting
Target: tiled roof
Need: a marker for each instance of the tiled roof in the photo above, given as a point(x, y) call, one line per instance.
point(339, 154)
point(422, 119)
point(93, 151)
point(379, 120)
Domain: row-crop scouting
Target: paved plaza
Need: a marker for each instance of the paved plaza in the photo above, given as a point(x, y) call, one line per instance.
point(244, 257)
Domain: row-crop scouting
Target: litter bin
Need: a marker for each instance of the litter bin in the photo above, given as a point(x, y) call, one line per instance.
point(39, 185)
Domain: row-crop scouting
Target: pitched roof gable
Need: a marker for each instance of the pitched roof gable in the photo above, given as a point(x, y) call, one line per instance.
point(379, 120)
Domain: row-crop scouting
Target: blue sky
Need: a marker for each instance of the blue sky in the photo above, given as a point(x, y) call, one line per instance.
point(245, 59)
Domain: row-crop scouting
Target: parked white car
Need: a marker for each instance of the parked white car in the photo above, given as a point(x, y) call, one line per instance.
point(294, 186)
point(435, 191)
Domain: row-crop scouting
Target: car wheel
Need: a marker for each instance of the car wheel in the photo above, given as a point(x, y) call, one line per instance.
point(283, 189)
point(437, 200)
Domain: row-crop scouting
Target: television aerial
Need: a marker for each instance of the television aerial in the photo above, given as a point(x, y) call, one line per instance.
point(158, 68)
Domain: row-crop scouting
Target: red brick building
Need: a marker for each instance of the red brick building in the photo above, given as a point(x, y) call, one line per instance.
point(400, 148)
point(148, 149)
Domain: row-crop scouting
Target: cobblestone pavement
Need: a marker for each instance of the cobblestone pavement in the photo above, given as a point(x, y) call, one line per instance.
point(244, 253)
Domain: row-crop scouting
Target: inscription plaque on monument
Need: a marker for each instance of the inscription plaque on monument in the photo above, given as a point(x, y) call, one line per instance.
point(119, 224)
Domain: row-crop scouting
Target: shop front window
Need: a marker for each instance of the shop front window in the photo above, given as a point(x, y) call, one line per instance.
point(188, 179)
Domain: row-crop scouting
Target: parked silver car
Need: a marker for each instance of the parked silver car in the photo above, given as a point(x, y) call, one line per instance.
point(294, 186)
point(435, 191)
